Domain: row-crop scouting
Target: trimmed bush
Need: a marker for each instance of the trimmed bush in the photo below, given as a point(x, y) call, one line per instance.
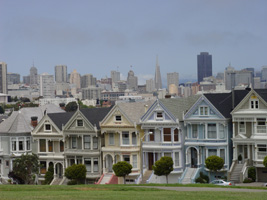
point(76, 172)
point(49, 175)
point(247, 180)
point(252, 173)
point(202, 178)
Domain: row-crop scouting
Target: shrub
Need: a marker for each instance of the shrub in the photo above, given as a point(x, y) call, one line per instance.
point(49, 175)
point(247, 180)
point(72, 182)
point(202, 178)
point(122, 169)
point(76, 172)
point(252, 173)
point(164, 166)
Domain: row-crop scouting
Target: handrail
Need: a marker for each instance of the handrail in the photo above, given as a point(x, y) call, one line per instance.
point(229, 173)
point(195, 175)
point(183, 175)
point(99, 181)
point(148, 180)
point(138, 179)
point(243, 171)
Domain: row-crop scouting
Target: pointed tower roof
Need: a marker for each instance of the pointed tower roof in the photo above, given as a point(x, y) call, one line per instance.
point(158, 83)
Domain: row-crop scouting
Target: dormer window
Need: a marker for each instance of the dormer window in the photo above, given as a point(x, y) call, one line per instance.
point(159, 115)
point(47, 127)
point(254, 104)
point(79, 122)
point(203, 110)
point(118, 118)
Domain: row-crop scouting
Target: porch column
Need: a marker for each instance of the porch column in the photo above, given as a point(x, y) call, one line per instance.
point(248, 151)
point(82, 143)
point(256, 152)
point(161, 134)
point(46, 145)
point(104, 164)
point(91, 143)
point(54, 169)
point(233, 130)
point(154, 157)
point(75, 160)
point(172, 135)
point(234, 152)
point(206, 130)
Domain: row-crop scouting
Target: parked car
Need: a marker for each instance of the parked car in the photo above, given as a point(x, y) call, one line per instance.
point(265, 185)
point(221, 182)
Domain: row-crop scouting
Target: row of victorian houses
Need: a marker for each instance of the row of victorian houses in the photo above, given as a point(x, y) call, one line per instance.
point(229, 125)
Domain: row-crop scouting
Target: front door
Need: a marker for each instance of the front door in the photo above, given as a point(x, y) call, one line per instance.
point(193, 157)
point(150, 161)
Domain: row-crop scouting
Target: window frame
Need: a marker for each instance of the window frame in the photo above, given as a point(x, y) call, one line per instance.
point(79, 123)
point(203, 110)
point(45, 127)
point(123, 134)
point(239, 128)
point(135, 161)
point(87, 142)
point(118, 118)
point(209, 131)
point(111, 139)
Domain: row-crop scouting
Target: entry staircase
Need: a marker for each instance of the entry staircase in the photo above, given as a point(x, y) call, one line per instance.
point(146, 176)
point(57, 181)
point(188, 175)
point(104, 179)
point(235, 174)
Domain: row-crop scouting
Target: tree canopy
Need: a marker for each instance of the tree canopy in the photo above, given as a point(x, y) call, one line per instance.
point(26, 167)
point(265, 161)
point(122, 169)
point(71, 106)
point(214, 163)
point(163, 167)
point(2, 110)
point(49, 175)
point(76, 172)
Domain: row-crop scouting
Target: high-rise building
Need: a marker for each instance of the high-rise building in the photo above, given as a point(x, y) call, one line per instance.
point(13, 78)
point(132, 81)
point(75, 78)
point(158, 83)
point(204, 66)
point(26, 80)
point(88, 80)
point(115, 76)
point(150, 85)
point(61, 73)
point(3, 77)
point(91, 92)
point(173, 78)
point(264, 74)
point(47, 86)
point(33, 76)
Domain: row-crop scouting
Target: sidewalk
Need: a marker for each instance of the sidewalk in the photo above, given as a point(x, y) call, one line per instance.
point(254, 184)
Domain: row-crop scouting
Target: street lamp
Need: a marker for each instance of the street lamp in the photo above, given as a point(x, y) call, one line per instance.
point(141, 150)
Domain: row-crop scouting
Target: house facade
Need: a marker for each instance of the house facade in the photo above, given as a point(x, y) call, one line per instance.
point(250, 134)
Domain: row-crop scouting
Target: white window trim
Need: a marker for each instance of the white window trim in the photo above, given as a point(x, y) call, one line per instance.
point(254, 103)
point(179, 160)
point(133, 160)
point(192, 131)
point(109, 143)
point(116, 119)
point(46, 130)
point(207, 131)
point(79, 120)
point(204, 111)
point(239, 128)
point(159, 118)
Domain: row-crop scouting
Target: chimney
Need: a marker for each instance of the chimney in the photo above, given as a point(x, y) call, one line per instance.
point(62, 106)
point(34, 121)
point(168, 96)
point(146, 106)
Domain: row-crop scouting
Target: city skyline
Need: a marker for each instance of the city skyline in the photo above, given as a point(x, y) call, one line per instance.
point(98, 36)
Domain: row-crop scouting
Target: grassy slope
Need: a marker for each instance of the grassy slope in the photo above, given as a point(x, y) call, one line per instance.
point(115, 192)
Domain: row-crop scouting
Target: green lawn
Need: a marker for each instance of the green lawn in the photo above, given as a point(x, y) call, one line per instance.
point(116, 192)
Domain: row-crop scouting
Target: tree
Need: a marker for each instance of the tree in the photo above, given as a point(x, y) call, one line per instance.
point(2, 110)
point(214, 163)
point(49, 175)
point(76, 173)
point(71, 106)
point(164, 166)
point(26, 167)
point(122, 169)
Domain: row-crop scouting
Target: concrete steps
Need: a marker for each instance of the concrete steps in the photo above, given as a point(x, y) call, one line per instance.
point(146, 176)
point(189, 173)
point(106, 179)
point(235, 175)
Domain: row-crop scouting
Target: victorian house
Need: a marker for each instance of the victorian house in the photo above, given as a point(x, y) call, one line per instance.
point(208, 132)
point(63, 139)
point(163, 136)
point(250, 136)
point(122, 133)
point(15, 135)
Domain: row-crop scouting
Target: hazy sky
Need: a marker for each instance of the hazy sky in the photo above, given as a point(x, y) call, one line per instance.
point(96, 36)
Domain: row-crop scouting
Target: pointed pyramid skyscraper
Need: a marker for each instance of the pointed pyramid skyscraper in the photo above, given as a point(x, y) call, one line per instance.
point(158, 83)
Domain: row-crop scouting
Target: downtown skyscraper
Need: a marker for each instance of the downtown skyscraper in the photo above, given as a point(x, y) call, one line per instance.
point(204, 66)
point(61, 73)
point(158, 82)
point(3, 77)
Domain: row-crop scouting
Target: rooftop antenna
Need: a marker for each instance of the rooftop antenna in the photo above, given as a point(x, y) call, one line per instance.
point(117, 68)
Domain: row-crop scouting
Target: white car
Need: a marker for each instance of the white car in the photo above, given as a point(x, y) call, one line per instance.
point(221, 182)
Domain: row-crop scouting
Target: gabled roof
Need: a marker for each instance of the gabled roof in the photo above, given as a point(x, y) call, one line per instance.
point(20, 121)
point(60, 119)
point(134, 110)
point(223, 101)
point(180, 105)
point(95, 115)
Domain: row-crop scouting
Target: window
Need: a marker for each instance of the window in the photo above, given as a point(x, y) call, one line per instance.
point(134, 140)
point(111, 139)
point(262, 147)
point(222, 154)
point(242, 127)
point(96, 165)
point(203, 110)
point(7, 163)
point(159, 115)
point(50, 146)
point(194, 131)
point(212, 131)
point(125, 138)
point(261, 127)
point(126, 158)
point(254, 104)
point(152, 135)
point(95, 142)
point(14, 144)
point(87, 163)
point(73, 142)
point(61, 146)
point(42, 143)
point(47, 127)
point(212, 152)
point(28, 143)
point(21, 144)
point(134, 161)
point(176, 158)
point(176, 135)
point(167, 134)
point(87, 142)
point(221, 131)
point(79, 122)
point(118, 118)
